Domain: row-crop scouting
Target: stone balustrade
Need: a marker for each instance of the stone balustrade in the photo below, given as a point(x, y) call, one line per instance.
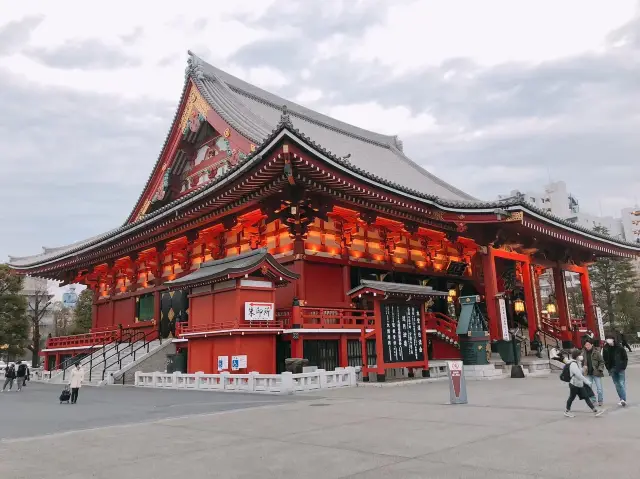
point(285, 383)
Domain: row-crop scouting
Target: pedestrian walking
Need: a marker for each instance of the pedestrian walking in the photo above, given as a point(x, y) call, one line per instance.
point(9, 376)
point(623, 342)
point(21, 374)
point(593, 368)
point(578, 385)
point(615, 359)
point(77, 376)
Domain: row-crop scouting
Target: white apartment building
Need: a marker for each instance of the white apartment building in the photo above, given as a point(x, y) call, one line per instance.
point(556, 199)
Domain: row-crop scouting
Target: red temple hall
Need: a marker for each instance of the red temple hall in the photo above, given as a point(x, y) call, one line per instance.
point(268, 231)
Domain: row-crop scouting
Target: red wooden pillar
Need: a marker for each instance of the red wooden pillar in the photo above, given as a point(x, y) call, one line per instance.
point(529, 299)
point(561, 299)
point(157, 300)
point(297, 347)
point(491, 291)
point(425, 343)
point(377, 310)
point(57, 365)
point(343, 357)
point(589, 307)
point(346, 283)
point(365, 354)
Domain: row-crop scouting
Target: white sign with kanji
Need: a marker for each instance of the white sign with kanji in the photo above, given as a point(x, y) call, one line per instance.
point(504, 319)
point(254, 311)
point(600, 322)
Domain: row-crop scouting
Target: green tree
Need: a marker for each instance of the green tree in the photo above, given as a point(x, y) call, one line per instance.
point(38, 305)
point(614, 281)
point(63, 319)
point(82, 314)
point(14, 325)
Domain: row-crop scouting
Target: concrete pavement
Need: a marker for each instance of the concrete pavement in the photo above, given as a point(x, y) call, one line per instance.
point(510, 429)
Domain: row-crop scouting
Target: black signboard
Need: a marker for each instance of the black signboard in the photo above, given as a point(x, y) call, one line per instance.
point(401, 333)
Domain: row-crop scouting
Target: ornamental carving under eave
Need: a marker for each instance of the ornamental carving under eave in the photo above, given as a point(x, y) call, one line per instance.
point(195, 105)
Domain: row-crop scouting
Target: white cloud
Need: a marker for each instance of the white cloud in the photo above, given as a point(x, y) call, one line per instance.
point(489, 32)
point(166, 31)
point(264, 77)
point(397, 120)
point(308, 95)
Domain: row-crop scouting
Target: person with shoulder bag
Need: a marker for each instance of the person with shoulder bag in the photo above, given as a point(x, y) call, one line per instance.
point(593, 368)
point(577, 384)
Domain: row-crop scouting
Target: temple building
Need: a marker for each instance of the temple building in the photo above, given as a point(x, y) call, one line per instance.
point(269, 231)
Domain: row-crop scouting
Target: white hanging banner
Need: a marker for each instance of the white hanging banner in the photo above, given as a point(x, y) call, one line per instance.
point(503, 319)
point(600, 322)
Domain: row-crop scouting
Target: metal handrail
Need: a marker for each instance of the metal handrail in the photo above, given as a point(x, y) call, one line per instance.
point(67, 363)
point(145, 343)
point(131, 334)
point(123, 336)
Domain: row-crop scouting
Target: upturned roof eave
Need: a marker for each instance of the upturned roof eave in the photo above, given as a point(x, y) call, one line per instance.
point(285, 129)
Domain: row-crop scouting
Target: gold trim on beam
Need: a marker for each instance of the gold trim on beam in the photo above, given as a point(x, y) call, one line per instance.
point(194, 102)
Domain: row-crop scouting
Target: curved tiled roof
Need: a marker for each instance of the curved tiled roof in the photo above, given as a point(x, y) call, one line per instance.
point(236, 101)
point(255, 113)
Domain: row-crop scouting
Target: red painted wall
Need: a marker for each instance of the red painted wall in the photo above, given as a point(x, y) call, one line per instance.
point(443, 350)
point(224, 307)
point(259, 349)
point(285, 295)
point(125, 311)
point(200, 356)
point(200, 310)
point(324, 285)
point(104, 316)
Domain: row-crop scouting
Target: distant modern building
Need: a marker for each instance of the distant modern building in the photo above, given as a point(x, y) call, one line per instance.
point(70, 298)
point(556, 199)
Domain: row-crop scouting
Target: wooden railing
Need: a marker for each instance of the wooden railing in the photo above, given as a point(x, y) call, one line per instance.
point(82, 340)
point(99, 335)
point(552, 328)
point(329, 318)
point(443, 324)
point(227, 325)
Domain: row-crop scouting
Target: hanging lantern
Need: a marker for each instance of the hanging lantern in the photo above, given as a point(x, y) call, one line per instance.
point(449, 299)
point(551, 308)
point(453, 292)
point(518, 306)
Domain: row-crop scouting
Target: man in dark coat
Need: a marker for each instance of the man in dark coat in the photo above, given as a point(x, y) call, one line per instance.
point(615, 359)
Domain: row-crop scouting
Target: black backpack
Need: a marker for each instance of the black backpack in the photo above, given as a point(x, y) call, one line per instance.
point(565, 375)
point(22, 370)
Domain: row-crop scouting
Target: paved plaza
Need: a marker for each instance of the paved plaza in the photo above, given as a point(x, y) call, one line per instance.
point(510, 429)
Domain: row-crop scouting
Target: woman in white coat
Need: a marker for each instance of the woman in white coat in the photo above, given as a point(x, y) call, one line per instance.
point(77, 376)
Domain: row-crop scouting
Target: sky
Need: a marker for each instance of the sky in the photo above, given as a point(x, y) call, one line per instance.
point(491, 96)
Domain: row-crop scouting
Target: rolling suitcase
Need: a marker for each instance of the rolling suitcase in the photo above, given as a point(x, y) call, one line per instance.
point(65, 395)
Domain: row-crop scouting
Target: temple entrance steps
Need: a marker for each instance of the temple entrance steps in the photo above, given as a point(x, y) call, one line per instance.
point(531, 365)
point(108, 365)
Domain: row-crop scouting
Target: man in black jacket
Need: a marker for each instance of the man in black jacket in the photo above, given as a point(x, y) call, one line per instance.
point(21, 374)
point(615, 359)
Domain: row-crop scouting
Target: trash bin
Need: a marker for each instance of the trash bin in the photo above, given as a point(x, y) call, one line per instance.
point(171, 363)
point(505, 349)
point(295, 365)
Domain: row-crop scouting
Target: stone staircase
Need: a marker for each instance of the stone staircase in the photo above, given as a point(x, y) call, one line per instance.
point(120, 358)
